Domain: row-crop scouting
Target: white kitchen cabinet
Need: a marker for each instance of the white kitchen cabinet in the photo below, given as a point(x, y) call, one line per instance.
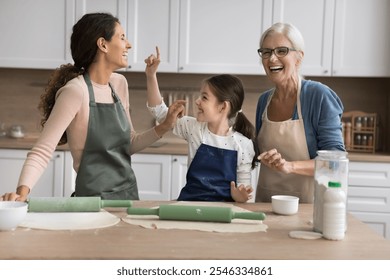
point(159, 177)
point(220, 36)
point(153, 23)
point(361, 38)
point(36, 33)
point(179, 175)
point(343, 37)
point(153, 173)
point(369, 194)
point(199, 36)
point(57, 180)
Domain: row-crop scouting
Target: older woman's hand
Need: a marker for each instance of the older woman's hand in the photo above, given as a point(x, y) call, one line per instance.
point(274, 160)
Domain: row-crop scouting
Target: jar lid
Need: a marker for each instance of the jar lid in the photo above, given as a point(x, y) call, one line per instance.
point(332, 154)
point(334, 184)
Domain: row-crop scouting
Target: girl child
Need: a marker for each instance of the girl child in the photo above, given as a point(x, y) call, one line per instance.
point(220, 138)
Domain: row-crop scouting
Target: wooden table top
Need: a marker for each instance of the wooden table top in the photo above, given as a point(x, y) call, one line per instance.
point(125, 241)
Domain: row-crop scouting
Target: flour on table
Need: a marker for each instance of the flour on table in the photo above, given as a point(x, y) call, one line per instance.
point(69, 220)
point(237, 225)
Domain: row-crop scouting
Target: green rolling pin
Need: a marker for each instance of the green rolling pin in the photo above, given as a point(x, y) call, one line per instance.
point(196, 213)
point(73, 204)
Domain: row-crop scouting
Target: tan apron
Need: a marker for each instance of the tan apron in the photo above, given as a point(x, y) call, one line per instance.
point(289, 138)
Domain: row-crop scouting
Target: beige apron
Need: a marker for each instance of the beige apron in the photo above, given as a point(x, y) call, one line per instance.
point(289, 138)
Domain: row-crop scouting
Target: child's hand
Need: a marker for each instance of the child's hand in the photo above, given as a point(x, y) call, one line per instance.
point(175, 111)
point(241, 193)
point(152, 62)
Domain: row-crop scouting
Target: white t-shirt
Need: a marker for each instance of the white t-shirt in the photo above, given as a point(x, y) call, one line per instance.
point(196, 133)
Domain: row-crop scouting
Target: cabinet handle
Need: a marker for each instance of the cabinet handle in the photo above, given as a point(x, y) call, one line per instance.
point(129, 67)
point(175, 160)
point(181, 68)
point(326, 71)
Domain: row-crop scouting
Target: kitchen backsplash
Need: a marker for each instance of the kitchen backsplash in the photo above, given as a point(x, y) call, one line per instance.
point(20, 91)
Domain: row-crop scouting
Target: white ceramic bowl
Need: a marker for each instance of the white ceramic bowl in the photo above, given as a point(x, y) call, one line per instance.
point(285, 204)
point(12, 213)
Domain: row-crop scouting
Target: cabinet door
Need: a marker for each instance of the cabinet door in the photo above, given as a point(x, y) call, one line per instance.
point(36, 33)
point(314, 19)
point(153, 173)
point(254, 179)
point(69, 175)
point(179, 174)
point(361, 38)
point(50, 183)
point(369, 194)
point(153, 23)
point(117, 8)
point(369, 187)
point(220, 36)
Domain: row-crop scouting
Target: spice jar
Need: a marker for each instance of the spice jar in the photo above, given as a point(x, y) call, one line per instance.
point(347, 137)
point(358, 140)
point(365, 122)
point(364, 140)
point(358, 123)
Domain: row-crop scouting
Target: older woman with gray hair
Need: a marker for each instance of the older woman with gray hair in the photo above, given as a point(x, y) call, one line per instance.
point(294, 119)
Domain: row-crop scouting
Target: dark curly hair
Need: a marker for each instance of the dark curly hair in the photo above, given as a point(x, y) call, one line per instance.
point(83, 46)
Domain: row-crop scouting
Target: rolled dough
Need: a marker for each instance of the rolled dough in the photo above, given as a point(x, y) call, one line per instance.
point(237, 225)
point(305, 234)
point(70, 220)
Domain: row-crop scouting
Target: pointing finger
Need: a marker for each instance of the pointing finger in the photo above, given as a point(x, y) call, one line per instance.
point(158, 52)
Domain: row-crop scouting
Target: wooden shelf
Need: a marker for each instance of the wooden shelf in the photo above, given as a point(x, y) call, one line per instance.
point(359, 131)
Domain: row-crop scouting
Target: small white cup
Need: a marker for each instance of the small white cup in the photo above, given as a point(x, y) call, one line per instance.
point(285, 204)
point(12, 213)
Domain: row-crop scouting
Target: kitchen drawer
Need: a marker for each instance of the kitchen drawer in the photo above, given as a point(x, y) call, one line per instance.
point(379, 222)
point(369, 199)
point(374, 174)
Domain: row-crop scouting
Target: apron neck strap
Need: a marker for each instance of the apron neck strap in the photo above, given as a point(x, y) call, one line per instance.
point(90, 89)
point(298, 99)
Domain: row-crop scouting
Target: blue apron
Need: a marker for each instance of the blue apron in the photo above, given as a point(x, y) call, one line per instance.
point(210, 174)
point(105, 167)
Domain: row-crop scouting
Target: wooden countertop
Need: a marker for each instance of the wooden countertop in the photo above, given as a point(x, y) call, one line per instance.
point(169, 146)
point(125, 241)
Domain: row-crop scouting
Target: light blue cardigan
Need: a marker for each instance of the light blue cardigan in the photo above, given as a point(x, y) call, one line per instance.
point(321, 112)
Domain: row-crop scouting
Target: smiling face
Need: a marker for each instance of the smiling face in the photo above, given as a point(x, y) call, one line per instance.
point(117, 49)
point(280, 69)
point(209, 108)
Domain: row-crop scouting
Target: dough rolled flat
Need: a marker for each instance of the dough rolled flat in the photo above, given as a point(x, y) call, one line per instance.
point(70, 220)
point(305, 234)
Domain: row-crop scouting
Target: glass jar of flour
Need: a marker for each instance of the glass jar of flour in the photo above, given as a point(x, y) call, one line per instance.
point(330, 166)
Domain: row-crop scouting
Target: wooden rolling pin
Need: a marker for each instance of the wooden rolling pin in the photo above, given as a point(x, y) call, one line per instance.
point(196, 213)
point(73, 204)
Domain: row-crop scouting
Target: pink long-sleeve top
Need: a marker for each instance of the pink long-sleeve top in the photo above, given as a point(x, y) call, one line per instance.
point(71, 113)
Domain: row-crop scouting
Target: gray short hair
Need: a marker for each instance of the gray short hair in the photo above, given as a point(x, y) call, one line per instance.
point(290, 31)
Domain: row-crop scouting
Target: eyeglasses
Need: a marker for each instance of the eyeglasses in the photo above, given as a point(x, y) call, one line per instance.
point(279, 52)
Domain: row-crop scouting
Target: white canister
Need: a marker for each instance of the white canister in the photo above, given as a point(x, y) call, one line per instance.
point(330, 166)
